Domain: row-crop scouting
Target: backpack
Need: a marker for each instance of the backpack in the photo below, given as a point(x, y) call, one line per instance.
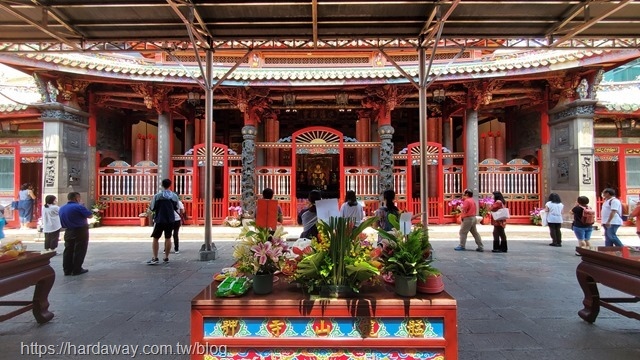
point(588, 216)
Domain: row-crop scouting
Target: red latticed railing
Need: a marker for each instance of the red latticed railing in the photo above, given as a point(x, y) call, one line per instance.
point(127, 192)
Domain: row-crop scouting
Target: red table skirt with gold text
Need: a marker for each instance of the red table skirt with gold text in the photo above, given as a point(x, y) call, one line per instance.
point(288, 324)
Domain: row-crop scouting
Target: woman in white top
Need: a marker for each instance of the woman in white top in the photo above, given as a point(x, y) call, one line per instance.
point(51, 223)
point(176, 226)
point(351, 208)
point(554, 207)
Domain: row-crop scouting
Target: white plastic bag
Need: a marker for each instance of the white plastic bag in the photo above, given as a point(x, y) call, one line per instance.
point(543, 215)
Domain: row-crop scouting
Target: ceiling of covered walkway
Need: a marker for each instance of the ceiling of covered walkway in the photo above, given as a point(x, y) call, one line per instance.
point(151, 25)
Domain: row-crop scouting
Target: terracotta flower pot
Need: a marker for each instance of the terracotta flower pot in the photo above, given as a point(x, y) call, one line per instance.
point(431, 285)
point(143, 221)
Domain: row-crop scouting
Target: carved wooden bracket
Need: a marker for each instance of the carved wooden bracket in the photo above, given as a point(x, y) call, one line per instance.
point(155, 97)
point(481, 93)
point(253, 103)
point(70, 88)
point(384, 99)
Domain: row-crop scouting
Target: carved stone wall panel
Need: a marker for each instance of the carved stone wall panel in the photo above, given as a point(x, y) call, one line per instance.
point(74, 140)
point(565, 170)
point(50, 171)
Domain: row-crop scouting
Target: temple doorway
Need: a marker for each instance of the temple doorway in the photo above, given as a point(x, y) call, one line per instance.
point(318, 172)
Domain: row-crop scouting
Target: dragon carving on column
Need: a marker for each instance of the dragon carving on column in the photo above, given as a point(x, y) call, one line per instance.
point(382, 100)
point(254, 105)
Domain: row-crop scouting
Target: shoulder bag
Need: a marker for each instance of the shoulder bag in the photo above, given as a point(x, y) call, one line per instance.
point(500, 214)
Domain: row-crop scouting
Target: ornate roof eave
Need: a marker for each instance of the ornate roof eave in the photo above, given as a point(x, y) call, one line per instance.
point(497, 66)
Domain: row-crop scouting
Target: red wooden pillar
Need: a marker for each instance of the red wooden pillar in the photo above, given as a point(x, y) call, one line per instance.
point(490, 146)
point(500, 149)
point(150, 149)
point(363, 134)
point(138, 150)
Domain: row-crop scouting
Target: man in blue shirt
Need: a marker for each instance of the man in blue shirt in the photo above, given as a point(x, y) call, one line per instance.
point(73, 217)
point(164, 205)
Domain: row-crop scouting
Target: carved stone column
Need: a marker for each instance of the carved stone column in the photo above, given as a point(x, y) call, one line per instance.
point(164, 145)
point(471, 151)
point(569, 154)
point(69, 161)
point(386, 158)
point(249, 133)
point(570, 167)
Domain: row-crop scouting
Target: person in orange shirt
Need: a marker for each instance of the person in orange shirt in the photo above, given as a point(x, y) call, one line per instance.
point(636, 213)
point(469, 221)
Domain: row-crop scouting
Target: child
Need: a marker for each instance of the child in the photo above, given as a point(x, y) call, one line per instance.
point(51, 223)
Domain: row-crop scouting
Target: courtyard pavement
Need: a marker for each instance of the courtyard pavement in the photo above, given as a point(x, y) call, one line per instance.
point(519, 305)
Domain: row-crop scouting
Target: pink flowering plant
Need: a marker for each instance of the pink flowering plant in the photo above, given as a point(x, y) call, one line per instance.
point(485, 205)
point(259, 252)
point(235, 219)
point(536, 217)
point(456, 206)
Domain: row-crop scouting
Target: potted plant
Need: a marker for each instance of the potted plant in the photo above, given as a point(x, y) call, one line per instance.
point(235, 217)
point(98, 211)
point(260, 254)
point(536, 217)
point(456, 209)
point(485, 209)
point(406, 257)
point(339, 260)
point(432, 283)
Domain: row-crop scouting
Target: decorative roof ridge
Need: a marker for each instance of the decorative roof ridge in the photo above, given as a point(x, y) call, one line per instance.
point(101, 62)
point(6, 108)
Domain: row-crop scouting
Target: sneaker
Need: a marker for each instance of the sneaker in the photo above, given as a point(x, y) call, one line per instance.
point(153, 261)
point(459, 248)
point(165, 260)
point(177, 252)
point(480, 250)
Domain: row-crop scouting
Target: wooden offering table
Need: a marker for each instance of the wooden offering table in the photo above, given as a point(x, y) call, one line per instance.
point(30, 268)
point(288, 324)
point(615, 267)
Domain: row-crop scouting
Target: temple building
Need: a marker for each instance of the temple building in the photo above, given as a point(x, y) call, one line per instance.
point(526, 123)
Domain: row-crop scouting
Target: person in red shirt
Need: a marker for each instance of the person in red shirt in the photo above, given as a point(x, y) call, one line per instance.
point(636, 213)
point(469, 222)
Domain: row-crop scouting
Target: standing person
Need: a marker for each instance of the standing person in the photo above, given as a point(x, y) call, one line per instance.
point(469, 221)
point(383, 212)
point(611, 217)
point(580, 228)
point(164, 205)
point(554, 207)
point(308, 217)
point(352, 208)
point(179, 216)
point(267, 194)
point(3, 222)
point(73, 217)
point(26, 199)
point(499, 236)
point(636, 213)
point(51, 223)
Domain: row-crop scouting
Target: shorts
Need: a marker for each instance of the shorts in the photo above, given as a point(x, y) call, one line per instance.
point(583, 233)
point(159, 228)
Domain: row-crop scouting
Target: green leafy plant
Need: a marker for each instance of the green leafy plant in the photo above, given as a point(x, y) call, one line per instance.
point(406, 255)
point(341, 255)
